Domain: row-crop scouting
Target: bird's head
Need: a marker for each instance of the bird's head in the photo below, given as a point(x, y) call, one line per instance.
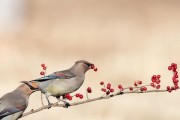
point(30, 86)
point(82, 65)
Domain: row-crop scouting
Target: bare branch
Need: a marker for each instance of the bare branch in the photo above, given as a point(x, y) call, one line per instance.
point(56, 104)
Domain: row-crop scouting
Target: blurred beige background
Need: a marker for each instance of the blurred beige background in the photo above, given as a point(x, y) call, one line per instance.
point(126, 39)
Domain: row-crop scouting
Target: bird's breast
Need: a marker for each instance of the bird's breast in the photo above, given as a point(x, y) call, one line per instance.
point(63, 86)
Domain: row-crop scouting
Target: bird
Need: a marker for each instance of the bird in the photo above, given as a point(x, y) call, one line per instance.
point(63, 82)
point(13, 104)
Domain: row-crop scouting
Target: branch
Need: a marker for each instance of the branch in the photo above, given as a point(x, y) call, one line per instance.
point(56, 104)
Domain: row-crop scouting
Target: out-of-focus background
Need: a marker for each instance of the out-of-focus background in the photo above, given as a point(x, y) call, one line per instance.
point(126, 39)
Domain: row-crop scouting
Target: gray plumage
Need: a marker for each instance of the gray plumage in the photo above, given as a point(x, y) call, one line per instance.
point(13, 104)
point(62, 82)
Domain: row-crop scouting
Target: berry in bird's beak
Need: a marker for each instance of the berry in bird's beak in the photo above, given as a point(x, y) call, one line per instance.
point(92, 66)
point(95, 69)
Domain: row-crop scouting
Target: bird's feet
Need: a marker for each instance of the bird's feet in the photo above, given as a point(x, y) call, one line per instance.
point(66, 105)
point(49, 105)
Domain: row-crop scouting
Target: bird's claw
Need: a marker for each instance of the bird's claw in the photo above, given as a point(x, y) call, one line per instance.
point(49, 105)
point(66, 105)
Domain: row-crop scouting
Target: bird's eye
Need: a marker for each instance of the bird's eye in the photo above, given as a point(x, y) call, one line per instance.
point(88, 64)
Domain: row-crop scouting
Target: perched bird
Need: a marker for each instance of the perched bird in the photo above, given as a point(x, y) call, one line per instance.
point(60, 83)
point(13, 104)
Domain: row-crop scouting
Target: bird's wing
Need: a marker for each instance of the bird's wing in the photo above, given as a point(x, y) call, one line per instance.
point(8, 111)
point(66, 74)
point(11, 103)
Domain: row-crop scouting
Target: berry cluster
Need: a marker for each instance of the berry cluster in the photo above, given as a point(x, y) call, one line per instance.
point(69, 97)
point(107, 88)
point(155, 81)
point(175, 80)
point(137, 84)
point(43, 72)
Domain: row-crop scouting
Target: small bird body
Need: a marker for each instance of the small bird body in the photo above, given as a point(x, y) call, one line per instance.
point(62, 82)
point(13, 104)
point(61, 86)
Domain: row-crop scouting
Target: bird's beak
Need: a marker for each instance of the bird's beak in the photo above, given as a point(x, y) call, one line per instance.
point(91, 66)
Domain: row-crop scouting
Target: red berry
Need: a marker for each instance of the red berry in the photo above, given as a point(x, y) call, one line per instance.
point(153, 80)
point(69, 98)
point(135, 84)
point(81, 96)
point(42, 73)
point(139, 82)
point(43, 65)
point(169, 90)
point(154, 76)
point(152, 84)
point(77, 95)
point(174, 65)
point(168, 87)
point(175, 73)
point(144, 88)
point(158, 76)
point(92, 66)
point(111, 90)
point(170, 68)
point(173, 69)
point(102, 89)
point(130, 88)
point(67, 95)
point(158, 86)
point(176, 76)
point(89, 90)
point(176, 86)
point(44, 68)
point(95, 69)
point(101, 83)
point(158, 81)
point(175, 81)
point(120, 86)
point(108, 86)
point(122, 89)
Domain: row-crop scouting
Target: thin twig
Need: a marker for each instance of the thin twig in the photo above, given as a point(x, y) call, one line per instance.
point(87, 95)
point(42, 99)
